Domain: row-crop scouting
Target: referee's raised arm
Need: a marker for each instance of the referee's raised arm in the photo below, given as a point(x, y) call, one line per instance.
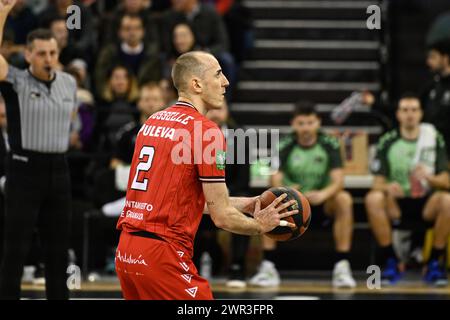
point(5, 8)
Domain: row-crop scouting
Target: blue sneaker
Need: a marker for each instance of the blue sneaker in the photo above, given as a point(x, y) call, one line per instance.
point(391, 273)
point(435, 274)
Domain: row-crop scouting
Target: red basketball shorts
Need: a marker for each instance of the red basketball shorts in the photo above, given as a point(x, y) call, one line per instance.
point(155, 269)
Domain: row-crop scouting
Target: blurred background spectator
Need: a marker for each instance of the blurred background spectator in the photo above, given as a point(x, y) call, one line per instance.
point(131, 51)
point(183, 40)
point(84, 39)
point(117, 107)
point(209, 30)
point(68, 51)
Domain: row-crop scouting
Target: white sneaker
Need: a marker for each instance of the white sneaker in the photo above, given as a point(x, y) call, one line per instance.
point(40, 281)
point(236, 283)
point(28, 274)
point(342, 275)
point(267, 275)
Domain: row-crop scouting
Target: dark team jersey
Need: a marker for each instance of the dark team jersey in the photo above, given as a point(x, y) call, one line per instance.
point(437, 108)
point(394, 158)
point(126, 139)
point(176, 150)
point(309, 166)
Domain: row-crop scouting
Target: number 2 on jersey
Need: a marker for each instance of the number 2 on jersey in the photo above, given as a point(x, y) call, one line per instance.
point(143, 166)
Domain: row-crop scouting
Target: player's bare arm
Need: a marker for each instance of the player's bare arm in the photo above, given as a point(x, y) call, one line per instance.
point(393, 188)
point(243, 204)
point(5, 8)
point(227, 217)
point(336, 185)
point(437, 181)
point(440, 181)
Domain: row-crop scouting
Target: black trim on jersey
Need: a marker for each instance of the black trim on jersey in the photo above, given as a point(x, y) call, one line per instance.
point(215, 177)
point(185, 104)
point(13, 115)
point(206, 181)
point(211, 179)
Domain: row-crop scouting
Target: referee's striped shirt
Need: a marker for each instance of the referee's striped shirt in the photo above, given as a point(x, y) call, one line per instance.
point(38, 112)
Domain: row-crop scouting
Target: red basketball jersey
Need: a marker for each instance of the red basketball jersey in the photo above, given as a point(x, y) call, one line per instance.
point(176, 150)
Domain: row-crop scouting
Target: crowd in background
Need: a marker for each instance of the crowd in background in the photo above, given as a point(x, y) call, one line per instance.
point(121, 57)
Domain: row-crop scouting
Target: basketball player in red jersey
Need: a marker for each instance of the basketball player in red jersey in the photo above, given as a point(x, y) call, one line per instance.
point(178, 163)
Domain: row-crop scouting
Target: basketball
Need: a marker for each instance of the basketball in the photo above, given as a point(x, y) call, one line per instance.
point(301, 219)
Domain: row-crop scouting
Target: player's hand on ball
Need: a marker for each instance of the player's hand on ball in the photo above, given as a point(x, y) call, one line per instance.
point(269, 217)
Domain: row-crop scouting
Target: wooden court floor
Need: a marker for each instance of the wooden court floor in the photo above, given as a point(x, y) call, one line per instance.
point(290, 289)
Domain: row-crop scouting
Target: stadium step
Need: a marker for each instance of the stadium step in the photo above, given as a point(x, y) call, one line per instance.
point(289, 91)
point(346, 50)
point(313, 29)
point(317, 50)
point(291, 70)
point(318, 9)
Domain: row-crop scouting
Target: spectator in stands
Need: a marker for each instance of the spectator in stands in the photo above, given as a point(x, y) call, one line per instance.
point(237, 176)
point(12, 52)
point(67, 51)
point(436, 98)
point(21, 21)
point(170, 93)
point(117, 107)
point(131, 52)
point(84, 38)
point(410, 173)
point(209, 30)
point(183, 40)
point(112, 23)
point(151, 100)
point(160, 6)
point(82, 132)
point(81, 68)
point(310, 161)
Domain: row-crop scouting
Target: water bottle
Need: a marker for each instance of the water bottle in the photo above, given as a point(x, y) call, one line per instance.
point(206, 265)
point(341, 112)
point(417, 187)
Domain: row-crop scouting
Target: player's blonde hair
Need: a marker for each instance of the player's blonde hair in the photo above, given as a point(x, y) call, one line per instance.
point(188, 64)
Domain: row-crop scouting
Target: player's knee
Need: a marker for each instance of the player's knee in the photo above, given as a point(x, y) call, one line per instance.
point(374, 198)
point(344, 199)
point(444, 204)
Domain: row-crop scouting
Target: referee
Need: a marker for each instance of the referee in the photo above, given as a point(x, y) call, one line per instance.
point(40, 103)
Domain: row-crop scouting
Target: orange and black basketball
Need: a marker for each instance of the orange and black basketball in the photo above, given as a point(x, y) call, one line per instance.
point(301, 219)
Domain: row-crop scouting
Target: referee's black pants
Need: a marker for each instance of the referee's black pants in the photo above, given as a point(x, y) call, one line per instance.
point(37, 194)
